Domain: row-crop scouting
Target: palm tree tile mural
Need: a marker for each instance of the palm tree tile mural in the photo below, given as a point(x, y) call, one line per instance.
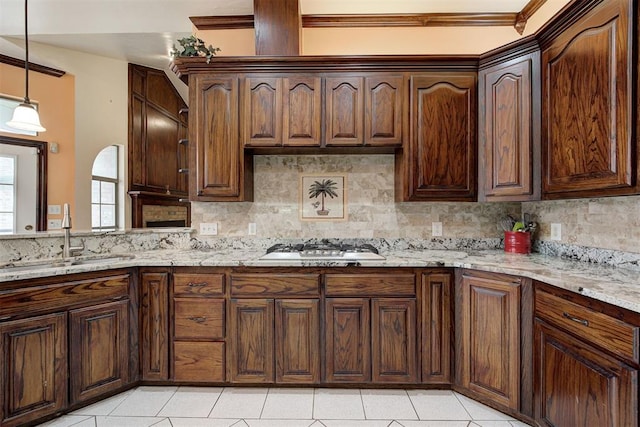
point(323, 197)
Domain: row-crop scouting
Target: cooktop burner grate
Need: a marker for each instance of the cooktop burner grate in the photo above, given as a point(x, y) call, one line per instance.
point(323, 250)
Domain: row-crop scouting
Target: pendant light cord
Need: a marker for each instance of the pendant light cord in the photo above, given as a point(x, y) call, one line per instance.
point(26, 60)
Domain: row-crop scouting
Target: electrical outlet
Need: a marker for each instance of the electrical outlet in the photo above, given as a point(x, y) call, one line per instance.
point(54, 224)
point(556, 231)
point(53, 209)
point(251, 229)
point(436, 229)
point(208, 228)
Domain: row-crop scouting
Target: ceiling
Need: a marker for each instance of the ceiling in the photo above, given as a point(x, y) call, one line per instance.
point(143, 31)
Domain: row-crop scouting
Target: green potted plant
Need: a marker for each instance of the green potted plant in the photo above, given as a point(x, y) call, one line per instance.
point(193, 46)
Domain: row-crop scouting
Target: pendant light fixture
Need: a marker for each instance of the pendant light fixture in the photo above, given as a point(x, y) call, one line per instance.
point(25, 116)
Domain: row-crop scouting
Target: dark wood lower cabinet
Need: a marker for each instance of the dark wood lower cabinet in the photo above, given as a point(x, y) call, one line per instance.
point(154, 309)
point(435, 326)
point(297, 341)
point(251, 342)
point(99, 350)
point(288, 356)
point(488, 337)
point(371, 340)
point(578, 385)
point(348, 340)
point(34, 368)
point(393, 340)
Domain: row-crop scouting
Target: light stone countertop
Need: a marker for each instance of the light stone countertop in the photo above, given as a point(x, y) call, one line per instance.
point(614, 285)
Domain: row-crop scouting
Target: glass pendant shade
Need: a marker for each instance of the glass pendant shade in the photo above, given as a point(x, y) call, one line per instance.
point(25, 117)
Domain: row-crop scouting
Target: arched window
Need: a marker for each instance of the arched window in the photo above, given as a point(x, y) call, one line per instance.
point(104, 190)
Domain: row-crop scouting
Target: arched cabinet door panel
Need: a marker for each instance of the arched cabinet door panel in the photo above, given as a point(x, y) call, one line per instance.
point(587, 114)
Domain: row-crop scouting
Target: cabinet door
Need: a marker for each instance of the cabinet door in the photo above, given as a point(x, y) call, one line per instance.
point(441, 159)
point(217, 157)
point(489, 333)
point(99, 349)
point(383, 110)
point(297, 341)
point(393, 340)
point(34, 377)
point(250, 338)
point(588, 125)
point(348, 340)
point(302, 115)
point(262, 114)
point(436, 324)
point(577, 385)
point(155, 326)
point(344, 111)
point(509, 131)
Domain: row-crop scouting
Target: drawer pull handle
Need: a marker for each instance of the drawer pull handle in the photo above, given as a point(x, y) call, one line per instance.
point(197, 284)
point(198, 319)
point(575, 319)
point(120, 298)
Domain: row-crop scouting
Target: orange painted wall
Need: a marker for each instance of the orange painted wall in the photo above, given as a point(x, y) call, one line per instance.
point(56, 99)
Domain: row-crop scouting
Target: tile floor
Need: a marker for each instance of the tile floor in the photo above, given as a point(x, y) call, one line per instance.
point(285, 407)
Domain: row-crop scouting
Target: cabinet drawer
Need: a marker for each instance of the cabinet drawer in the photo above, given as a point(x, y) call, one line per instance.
point(370, 284)
point(198, 319)
point(17, 302)
point(199, 361)
point(198, 284)
point(275, 284)
point(597, 328)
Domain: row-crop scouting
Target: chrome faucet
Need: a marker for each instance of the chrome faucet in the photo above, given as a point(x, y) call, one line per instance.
point(67, 249)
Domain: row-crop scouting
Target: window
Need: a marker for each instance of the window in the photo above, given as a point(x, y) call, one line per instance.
point(7, 194)
point(104, 190)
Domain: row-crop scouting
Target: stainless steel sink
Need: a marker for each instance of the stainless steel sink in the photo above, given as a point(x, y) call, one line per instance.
point(56, 263)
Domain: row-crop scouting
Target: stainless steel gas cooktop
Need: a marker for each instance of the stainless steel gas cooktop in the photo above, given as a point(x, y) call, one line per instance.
point(322, 251)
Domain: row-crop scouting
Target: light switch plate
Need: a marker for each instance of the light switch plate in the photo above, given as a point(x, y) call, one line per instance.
point(436, 229)
point(208, 228)
point(556, 231)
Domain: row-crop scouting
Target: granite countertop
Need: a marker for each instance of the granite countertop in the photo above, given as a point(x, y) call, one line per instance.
point(614, 285)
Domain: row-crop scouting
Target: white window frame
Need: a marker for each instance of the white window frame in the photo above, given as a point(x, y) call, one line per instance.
point(15, 192)
point(116, 202)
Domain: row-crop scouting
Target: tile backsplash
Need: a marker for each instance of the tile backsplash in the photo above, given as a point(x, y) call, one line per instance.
point(372, 211)
point(608, 222)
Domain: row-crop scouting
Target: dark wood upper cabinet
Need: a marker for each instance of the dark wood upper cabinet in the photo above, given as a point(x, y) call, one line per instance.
point(282, 111)
point(302, 111)
point(383, 110)
point(222, 172)
point(155, 127)
point(262, 115)
point(587, 105)
point(440, 162)
point(509, 130)
point(344, 100)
